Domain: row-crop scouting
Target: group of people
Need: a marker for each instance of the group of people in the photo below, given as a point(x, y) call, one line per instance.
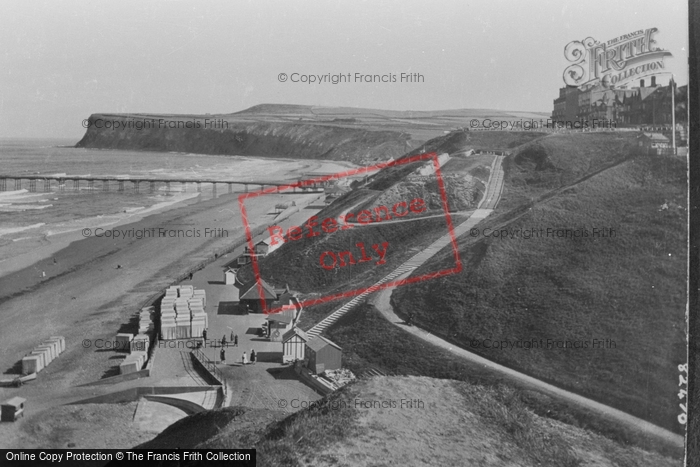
point(244, 358)
point(234, 340)
point(224, 342)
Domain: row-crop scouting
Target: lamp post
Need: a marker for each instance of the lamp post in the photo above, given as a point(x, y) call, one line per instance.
point(672, 85)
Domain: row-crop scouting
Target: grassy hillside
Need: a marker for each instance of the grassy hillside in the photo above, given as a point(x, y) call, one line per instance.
point(298, 263)
point(629, 288)
point(450, 423)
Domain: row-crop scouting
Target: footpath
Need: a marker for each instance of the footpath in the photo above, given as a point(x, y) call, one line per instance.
point(382, 302)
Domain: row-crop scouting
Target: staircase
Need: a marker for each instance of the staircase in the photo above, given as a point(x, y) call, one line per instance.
point(491, 197)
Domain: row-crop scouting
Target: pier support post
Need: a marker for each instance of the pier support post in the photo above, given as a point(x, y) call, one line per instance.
point(153, 186)
point(121, 185)
point(3, 184)
point(61, 184)
point(32, 185)
point(136, 186)
point(91, 185)
point(47, 185)
point(76, 185)
point(18, 183)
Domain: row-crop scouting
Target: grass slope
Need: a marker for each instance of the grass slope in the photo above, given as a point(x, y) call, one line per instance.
point(629, 288)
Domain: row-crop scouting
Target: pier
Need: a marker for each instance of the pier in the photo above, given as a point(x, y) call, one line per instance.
point(106, 184)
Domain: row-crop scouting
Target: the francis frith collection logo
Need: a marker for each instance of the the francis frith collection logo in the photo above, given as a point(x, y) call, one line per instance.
point(616, 62)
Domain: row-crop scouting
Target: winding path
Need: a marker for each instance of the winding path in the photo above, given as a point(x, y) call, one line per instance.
point(382, 302)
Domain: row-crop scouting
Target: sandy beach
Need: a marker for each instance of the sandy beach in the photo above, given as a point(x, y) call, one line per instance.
point(89, 288)
point(97, 284)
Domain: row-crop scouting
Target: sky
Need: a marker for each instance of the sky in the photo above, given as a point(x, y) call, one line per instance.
point(62, 61)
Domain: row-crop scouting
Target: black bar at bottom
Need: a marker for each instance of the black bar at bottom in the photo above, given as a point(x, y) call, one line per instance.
point(119, 457)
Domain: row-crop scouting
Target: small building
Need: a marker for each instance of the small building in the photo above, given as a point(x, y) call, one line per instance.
point(230, 276)
point(259, 249)
point(293, 345)
point(286, 300)
point(12, 409)
point(250, 295)
point(653, 143)
point(279, 323)
point(322, 355)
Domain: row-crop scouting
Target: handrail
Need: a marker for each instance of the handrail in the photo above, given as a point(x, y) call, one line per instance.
point(210, 367)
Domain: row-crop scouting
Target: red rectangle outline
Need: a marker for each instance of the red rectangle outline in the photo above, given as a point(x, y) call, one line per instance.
point(352, 293)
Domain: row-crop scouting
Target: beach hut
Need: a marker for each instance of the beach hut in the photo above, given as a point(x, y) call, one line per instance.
point(124, 341)
point(293, 344)
point(45, 356)
point(140, 343)
point(61, 341)
point(182, 326)
point(12, 409)
point(322, 355)
point(230, 276)
point(32, 364)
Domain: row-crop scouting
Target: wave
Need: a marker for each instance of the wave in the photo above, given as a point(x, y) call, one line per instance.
point(130, 214)
point(12, 230)
point(22, 207)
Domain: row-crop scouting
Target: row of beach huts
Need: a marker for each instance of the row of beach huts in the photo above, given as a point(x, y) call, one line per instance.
point(43, 354)
point(139, 344)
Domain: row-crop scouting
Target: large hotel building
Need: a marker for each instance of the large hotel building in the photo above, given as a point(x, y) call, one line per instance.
point(646, 105)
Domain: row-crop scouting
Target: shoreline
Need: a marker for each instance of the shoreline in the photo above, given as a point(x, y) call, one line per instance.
point(59, 241)
point(87, 295)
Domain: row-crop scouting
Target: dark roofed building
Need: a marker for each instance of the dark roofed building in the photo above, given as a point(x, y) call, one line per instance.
point(654, 143)
point(251, 297)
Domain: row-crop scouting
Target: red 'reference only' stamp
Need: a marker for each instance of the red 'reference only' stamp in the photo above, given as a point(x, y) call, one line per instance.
point(315, 227)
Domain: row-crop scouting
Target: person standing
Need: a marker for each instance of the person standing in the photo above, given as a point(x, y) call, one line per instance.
point(204, 335)
point(232, 337)
point(223, 341)
point(223, 356)
point(244, 359)
point(252, 356)
point(235, 340)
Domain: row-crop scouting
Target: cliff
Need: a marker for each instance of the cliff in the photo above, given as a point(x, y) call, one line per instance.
point(242, 135)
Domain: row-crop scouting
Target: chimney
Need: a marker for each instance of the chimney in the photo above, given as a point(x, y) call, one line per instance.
point(641, 83)
point(653, 81)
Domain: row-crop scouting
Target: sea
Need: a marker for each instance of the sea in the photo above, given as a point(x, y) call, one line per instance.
point(31, 220)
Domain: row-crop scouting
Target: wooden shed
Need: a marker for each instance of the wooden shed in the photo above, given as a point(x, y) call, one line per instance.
point(259, 249)
point(293, 344)
point(12, 409)
point(322, 355)
point(653, 143)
